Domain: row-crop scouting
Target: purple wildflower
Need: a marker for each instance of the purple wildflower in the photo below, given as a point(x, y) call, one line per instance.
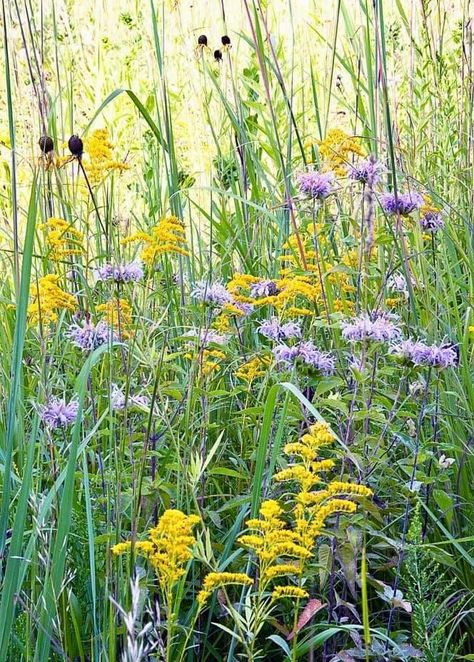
point(212, 293)
point(118, 399)
point(88, 336)
point(402, 203)
point(421, 354)
point(368, 171)
point(317, 185)
point(245, 308)
point(381, 328)
point(432, 221)
point(206, 336)
point(120, 273)
point(398, 283)
point(308, 353)
point(59, 414)
point(264, 288)
point(273, 330)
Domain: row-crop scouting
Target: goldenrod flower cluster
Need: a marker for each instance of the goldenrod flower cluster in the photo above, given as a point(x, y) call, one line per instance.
point(168, 548)
point(337, 149)
point(62, 238)
point(118, 315)
point(253, 368)
point(216, 579)
point(168, 236)
point(210, 360)
point(47, 298)
point(100, 159)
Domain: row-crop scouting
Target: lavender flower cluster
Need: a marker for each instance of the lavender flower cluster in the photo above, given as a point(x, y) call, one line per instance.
point(368, 171)
point(309, 354)
point(421, 354)
point(57, 413)
point(264, 288)
point(432, 221)
point(316, 185)
point(206, 336)
point(274, 330)
point(118, 400)
point(88, 336)
point(401, 203)
point(214, 294)
point(120, 273)
point(376, 327)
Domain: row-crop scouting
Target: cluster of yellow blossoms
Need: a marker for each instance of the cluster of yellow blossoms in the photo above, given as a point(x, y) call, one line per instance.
point(62, 239)
point(253, 368)
point(337, 149)
point(118, 315)
point(210, 360)
point(283, 549)
point(168, 236)
point(100, 159)
point(47, 298)
point(168, 548)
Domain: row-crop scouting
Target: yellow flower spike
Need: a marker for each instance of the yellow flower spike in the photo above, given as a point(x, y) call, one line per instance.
point(218, 579)
point(168, 236)
point(280, 570)
point(99, 159)
point(169, 546)
point(337, 149)
point(339, 487)
point(289, 592)
point(118, 315)
point(62, 239)
point(47, 298)
point(254, 368)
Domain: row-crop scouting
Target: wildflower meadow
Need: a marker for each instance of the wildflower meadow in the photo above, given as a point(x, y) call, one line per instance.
point(236, 330)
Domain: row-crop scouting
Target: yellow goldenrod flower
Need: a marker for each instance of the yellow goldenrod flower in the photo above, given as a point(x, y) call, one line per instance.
point(169, 546)
point(99, 159)
point(338, 487)
point(118, 315)
point(47, 298)
point(280, 570)
point(337, 149)
point(167, 237)
point(289, 592)
point(217, 579)
point(62, 238)
point(254, 368)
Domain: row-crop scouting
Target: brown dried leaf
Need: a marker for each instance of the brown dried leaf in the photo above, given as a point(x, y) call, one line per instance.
point(306, 615)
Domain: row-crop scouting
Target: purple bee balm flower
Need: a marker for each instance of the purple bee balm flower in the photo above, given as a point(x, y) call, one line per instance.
point(120, 273)
point(88, 336)
point(317, 185)
point(245, 308)
point(273, 330)
point(432, 221)
point(207, 336)
point(212, 293)
point(381, 328)
point(421, 354)
point(118, 399)
point(56, 413)
point(398, 283)
point(264, 288)
point(368, 171)
point(322, 361)
point(308, 353)
point(402, 203)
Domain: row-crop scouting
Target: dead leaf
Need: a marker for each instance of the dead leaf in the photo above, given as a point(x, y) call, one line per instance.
point(306, 615)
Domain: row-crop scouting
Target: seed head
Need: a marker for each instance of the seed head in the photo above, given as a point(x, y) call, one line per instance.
point(225, 40)
point(76, 146)
point(218, 55)
point(202, 40)
point(46, 144)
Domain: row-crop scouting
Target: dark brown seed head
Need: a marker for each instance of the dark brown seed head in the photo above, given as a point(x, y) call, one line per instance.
point(76, 146)
point(202, 40)
point(46, 144)
point(225, 40)
point(218, 55)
